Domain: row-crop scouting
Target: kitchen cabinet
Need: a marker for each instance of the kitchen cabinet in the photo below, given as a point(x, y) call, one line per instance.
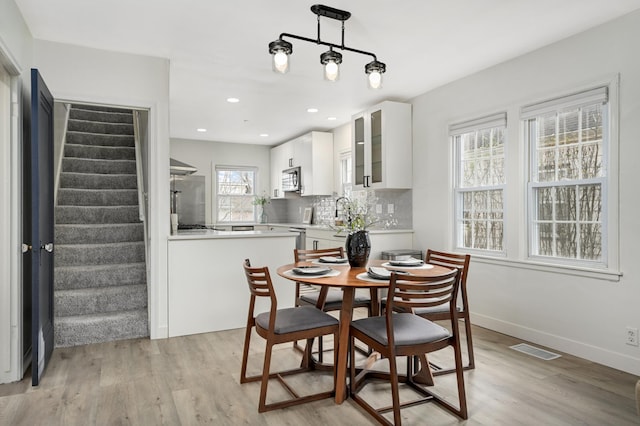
point(313, 153)
point(280, 156)
point(381, 240)
point(381, 147)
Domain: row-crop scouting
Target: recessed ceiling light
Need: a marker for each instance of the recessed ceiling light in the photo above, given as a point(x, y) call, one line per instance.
point(312, 109)
point(201, 130)
point(233, 100)
point(264, 135)
point(331, 118)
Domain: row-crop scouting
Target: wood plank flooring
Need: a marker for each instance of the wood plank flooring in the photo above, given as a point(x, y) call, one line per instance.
point(194, 380)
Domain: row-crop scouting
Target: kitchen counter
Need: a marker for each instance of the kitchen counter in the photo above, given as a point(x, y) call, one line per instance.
point(328, 228)
point(207, 289)
point(199, 234)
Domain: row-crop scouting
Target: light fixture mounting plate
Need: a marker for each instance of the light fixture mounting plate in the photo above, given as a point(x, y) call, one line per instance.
point(330, 12)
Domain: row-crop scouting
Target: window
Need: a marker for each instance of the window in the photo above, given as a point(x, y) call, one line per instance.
point(235, 194)
point(567, 191)
point(346, 172)
point(479, 182)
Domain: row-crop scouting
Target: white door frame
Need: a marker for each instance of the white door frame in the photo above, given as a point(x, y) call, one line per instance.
point(11, 363)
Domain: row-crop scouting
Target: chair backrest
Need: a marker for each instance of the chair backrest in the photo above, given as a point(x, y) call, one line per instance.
point(260, 284)
point(302, 255)
point(451, 260)
point(408, 292)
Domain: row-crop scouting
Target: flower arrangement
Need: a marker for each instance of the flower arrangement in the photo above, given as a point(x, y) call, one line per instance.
point(358, 215)
point(260, 200)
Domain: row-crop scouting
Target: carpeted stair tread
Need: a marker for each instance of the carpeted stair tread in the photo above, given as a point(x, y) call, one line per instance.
point(100, 108)
point(100, 127)
point(97, 214)
point(104, 116)
point(85, 276)
point(99, 152)
point(99, 233)
point(99, 254)
point(98, 181)
point(97, 197)
point(98, 166)
point(95, 300)
point(83, 138)
point(86, 329)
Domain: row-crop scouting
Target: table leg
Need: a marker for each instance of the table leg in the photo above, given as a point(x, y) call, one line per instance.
point(343, 344)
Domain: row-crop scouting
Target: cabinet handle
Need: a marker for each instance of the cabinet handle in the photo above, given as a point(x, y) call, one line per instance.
point(315, 244)
point(290, 162)
point(275, 193)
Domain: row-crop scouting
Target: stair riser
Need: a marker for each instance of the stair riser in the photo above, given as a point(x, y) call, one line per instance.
point(101, 116)
point(99, 152)
point(99, 215)
point(92, 197)
point(67, 278)
point(105, 254)
point(100, 128)
point(69, 234)
point(85, 165)
point(100, 300)
point(92, 181)
point(73, 331)
point(100, 140)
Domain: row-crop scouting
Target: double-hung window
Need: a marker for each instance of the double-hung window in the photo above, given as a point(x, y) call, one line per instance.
point(479, 183)
point(568, 141)
point(235, 191)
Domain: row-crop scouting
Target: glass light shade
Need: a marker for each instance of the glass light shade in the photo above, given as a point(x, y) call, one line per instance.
point(280, 62)
point(375, 80)
point(331, 71)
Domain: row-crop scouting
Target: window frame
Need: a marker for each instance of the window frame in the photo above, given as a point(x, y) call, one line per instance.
point(456, 131)
point(608, 180)
point(218, 196)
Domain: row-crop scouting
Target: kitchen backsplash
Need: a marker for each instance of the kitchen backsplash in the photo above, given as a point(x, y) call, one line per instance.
point(291, 209)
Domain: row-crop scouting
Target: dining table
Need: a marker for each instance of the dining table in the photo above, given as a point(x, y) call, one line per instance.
point(349, 279)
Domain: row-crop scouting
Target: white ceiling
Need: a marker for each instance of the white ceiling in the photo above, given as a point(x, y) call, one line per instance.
point(218, 49)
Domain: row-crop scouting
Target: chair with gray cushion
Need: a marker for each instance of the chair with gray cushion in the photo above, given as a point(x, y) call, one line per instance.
point(461, 262)
point(400, 333)
point(282, 326)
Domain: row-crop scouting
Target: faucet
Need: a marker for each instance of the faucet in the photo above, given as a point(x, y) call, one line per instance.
point(343, 199)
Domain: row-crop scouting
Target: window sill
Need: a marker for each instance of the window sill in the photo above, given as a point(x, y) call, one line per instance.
point(595, 273)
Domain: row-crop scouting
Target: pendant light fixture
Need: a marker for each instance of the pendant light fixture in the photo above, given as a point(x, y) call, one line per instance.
point(281, 49)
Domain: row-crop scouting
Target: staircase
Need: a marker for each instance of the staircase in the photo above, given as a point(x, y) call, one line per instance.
point(100, 289)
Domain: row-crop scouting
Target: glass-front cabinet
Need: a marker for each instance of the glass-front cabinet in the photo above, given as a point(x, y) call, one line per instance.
point(381, 146)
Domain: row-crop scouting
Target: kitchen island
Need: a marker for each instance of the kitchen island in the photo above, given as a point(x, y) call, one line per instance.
point(207, 287)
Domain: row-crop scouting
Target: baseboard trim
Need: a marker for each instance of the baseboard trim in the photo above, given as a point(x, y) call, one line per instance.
point(589, 352)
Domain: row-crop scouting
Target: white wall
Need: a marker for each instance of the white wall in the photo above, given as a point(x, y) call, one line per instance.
point(584, 316)
point(75, 73)
point(205, 155)
point(16, 45)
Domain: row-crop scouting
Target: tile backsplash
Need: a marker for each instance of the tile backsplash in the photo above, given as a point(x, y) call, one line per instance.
point(392, 206)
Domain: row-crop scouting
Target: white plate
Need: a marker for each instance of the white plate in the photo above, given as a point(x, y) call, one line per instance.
point(406, 262)
point(406, 268)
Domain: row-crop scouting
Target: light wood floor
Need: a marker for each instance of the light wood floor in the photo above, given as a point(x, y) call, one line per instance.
point(195, 380)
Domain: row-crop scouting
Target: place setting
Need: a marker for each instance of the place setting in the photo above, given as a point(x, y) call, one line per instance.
point(312, 271)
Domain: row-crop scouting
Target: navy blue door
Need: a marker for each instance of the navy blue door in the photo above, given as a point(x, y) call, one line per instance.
point(40, 164)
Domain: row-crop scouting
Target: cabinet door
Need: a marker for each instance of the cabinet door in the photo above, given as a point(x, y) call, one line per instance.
point(358, 149)
point(280, 156)
point(376, 158)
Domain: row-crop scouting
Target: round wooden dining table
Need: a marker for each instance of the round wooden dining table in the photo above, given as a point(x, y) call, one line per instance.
point(346, 278)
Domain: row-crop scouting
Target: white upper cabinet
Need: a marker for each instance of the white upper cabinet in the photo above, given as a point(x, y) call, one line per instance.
point(381, 147)
point(313, 153)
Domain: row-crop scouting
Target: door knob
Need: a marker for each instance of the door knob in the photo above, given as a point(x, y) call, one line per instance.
point(26, 247)
point(48, 247)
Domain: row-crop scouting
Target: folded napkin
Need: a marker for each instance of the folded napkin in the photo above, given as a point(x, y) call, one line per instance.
point(411, 261)
point(333, 259)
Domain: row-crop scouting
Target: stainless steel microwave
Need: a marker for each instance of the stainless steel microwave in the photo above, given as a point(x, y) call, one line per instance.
point(292, 180)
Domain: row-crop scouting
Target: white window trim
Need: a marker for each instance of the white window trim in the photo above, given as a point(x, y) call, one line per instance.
point(610, 269)
point(460, 128)
point(214, 207)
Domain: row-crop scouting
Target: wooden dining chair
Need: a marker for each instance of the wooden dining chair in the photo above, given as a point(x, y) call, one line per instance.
point(282, 326)
point(406, 334)
point(332, 299)
point(436, 313)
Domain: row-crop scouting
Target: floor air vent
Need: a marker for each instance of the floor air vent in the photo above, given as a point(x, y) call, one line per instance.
point(533, 351)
